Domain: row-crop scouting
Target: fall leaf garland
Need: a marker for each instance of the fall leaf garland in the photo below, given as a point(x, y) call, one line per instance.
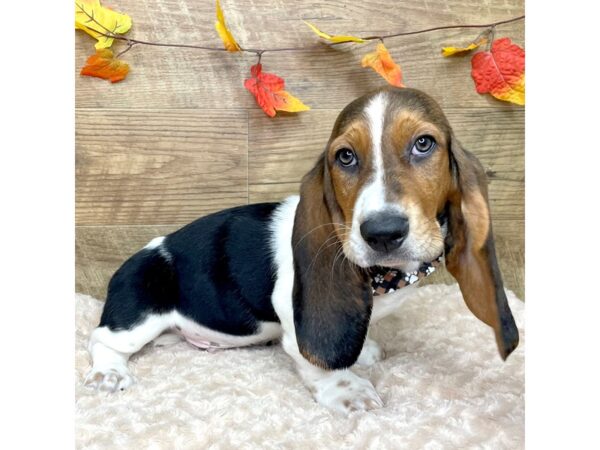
point(267, 89)
point(103, 65)
point(334, 39)
point(382, 63)
point(501, 71)
point(498, 71)
point(228, 40)
point(96, 20)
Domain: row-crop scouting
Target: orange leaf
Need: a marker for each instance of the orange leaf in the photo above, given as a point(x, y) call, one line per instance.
point(382, 63)
point(501, 71)
point(228, 40)
point(103, 65)
point(267, 88)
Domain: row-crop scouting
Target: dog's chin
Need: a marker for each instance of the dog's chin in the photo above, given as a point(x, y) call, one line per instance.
point(402, 260)
point(405, 265)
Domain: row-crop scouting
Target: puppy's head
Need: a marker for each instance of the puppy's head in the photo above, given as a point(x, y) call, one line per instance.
point(389, 164)
point(393, 188)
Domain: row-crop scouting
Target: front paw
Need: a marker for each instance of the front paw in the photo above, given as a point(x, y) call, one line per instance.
point(370, 353)
point(345, 392)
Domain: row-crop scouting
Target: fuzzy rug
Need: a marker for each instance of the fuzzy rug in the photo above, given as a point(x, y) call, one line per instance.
point(443, 384)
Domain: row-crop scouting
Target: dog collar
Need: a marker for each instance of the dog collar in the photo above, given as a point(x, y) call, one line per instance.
point(385, 280)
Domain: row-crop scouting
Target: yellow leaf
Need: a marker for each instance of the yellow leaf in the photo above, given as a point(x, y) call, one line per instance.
point(381, 62)
point(335, 39)
point(93, 18)
point(228, 40)
point(449, 51)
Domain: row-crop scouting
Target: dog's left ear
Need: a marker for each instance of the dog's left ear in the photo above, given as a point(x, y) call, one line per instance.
point(470, 250)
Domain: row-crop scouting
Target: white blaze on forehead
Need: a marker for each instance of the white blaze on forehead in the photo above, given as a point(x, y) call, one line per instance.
point(375, 112)
point(372, 197)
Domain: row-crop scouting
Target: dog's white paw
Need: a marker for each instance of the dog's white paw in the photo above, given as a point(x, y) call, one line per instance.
point(346, 392)
point(370, 353)
point(110, 379)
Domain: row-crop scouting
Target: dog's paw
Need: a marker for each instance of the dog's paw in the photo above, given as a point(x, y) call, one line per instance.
point(370, 353)
point(346, 392)
point(110, 380)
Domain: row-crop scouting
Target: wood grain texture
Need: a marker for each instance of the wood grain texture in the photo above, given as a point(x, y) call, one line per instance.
point(181, 137)
point(157, 166)
point(327, 77)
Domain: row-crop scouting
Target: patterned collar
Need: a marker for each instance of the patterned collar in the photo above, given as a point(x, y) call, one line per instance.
point(385, 280)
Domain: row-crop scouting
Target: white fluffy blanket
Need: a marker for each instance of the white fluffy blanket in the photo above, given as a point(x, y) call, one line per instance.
point(442, 382)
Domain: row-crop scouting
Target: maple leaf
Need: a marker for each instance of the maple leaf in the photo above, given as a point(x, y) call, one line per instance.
point(501, 71)
point(451, 51)
point(382, 63)
point(336, 38)
point(267, 88)
point(93, 18)
point(228, 40)
point(103, 65)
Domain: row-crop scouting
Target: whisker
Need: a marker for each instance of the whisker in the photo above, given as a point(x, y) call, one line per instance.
point(324, 247)
point(321, 226)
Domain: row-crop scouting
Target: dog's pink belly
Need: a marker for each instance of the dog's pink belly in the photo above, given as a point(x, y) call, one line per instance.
point(211, 340)
point(204, 344)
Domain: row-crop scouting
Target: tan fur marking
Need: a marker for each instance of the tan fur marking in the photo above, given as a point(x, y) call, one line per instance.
point(314, 360)
point(477, 217)
point(347, 185)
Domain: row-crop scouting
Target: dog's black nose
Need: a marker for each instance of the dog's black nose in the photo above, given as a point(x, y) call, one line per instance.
point(385, 231)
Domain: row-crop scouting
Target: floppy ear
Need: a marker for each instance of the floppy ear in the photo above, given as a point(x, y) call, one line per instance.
point(332, 299)
point(470, 250)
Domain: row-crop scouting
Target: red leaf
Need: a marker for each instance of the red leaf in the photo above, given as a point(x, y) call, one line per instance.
point(267, 88)
point(501, 72)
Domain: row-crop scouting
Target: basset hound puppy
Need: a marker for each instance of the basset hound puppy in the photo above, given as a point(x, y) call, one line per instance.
point(391, 193)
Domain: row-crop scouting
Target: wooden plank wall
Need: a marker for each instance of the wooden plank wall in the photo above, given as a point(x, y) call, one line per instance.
point(181, 138)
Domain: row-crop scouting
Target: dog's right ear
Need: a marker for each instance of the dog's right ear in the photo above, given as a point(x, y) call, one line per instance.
point(332, 299)
point(471, 254)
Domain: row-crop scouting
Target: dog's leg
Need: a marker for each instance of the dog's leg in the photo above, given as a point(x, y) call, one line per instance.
point(110, 350)
point(370, 353)
point(339, 390)
point(139, 307)
point(386, 304)
point(383, 305)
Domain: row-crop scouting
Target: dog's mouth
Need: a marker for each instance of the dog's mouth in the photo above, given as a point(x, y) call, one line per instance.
point(394, 260)
point(404, 258)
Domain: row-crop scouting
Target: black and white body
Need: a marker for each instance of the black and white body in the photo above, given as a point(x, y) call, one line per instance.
point(393, 188)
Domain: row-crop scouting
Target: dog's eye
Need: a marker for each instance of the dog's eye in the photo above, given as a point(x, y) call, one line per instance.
point(423, 145)
point(346, 157)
